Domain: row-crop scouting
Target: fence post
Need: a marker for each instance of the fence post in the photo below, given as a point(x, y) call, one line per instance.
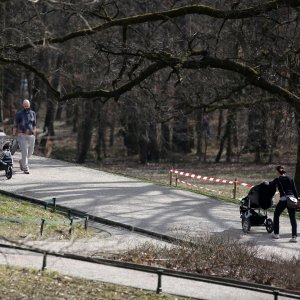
point(176, 180)
point(42, 227)
point(71, 226)
point(159, 288)
point(86, 222)
point(171, 175)
point(44, 266)
point(54, 203)
point(275, 293)
point(234, 188)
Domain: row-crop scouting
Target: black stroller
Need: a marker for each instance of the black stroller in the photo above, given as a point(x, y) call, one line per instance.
point(253, 209)
point(6, 159)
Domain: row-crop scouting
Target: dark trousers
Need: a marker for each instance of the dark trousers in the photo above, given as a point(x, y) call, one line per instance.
point(280, 207)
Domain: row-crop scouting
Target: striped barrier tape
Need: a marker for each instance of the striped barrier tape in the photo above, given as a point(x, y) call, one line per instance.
point(211, 179)
point(198, 186)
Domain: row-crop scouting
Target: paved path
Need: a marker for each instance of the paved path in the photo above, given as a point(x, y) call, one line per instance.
point(162, 209)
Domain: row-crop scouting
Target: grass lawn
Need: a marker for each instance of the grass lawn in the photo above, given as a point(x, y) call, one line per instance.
point(27, 222)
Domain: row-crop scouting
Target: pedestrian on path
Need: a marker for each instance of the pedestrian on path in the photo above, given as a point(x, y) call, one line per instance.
point(25, 129)
point(286, 187)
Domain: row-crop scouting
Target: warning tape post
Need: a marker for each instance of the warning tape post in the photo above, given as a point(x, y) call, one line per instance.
point(212, 180)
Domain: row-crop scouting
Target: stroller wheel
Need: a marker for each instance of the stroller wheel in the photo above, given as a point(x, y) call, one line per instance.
point(269, 226)
point(246, 224)
point(8, 172)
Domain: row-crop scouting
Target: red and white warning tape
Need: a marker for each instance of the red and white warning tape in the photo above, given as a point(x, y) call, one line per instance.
point(199, 187)
point(212, 179)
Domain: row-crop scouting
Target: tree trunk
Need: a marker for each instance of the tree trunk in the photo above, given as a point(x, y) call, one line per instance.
point(199, 131)
point(297, 170)
point(181, 136)
point(143, 146)
point(112, 132)
point(100, 147)
point(227, 137)
point(220, 123)
point(165, 139)
point(48, 129)
point(153, 149)
point(85, 130)
point(274, 135)
point(257, 132)
point(59, 112)
point(131, 130)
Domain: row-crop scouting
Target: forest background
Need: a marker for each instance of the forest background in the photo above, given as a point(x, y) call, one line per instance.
point(156, 81)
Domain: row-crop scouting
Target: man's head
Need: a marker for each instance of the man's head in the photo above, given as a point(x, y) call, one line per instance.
point(26, 105)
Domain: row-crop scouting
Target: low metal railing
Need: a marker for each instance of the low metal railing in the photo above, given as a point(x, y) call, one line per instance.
point(276, 292)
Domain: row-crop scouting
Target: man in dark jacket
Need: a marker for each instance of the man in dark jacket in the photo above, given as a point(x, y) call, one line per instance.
point(25, 128)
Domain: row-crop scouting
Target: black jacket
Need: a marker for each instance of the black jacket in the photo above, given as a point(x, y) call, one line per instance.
point(285, 185)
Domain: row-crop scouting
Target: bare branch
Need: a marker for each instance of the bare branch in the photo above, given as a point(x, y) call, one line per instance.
point(33, 70)
point(119, 91)
point(163, 15)
point(253, 77)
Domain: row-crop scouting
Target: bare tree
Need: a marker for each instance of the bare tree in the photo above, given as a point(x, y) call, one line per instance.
point(123, 47)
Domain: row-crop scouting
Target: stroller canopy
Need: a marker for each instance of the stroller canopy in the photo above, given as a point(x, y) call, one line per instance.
point(262, 195)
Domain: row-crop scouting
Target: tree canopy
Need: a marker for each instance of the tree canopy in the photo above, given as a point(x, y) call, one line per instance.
point(164, 65)
point(131, 45)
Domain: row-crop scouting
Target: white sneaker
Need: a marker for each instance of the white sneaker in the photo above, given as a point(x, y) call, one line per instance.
point(275, 236)
point(293, 239)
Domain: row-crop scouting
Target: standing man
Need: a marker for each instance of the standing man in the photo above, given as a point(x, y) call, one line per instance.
point(25, 127)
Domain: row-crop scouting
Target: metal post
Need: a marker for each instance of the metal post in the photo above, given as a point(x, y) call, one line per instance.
point(86, 222)
point(234, 188)
point(159, 288)
point(171, 177)
point(176, 180)
point(42, 226)
point(44, 267)
point(275, 293)
point(54, 203)
point(71, 226)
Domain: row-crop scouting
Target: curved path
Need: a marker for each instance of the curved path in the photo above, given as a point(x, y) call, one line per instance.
point(161, 209)
point(165, 210)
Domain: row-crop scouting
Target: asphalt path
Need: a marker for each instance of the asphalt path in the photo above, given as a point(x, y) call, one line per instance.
point(162, 209)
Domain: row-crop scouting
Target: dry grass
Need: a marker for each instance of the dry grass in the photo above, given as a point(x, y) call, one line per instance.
point(21, 283)
point(218, 256)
